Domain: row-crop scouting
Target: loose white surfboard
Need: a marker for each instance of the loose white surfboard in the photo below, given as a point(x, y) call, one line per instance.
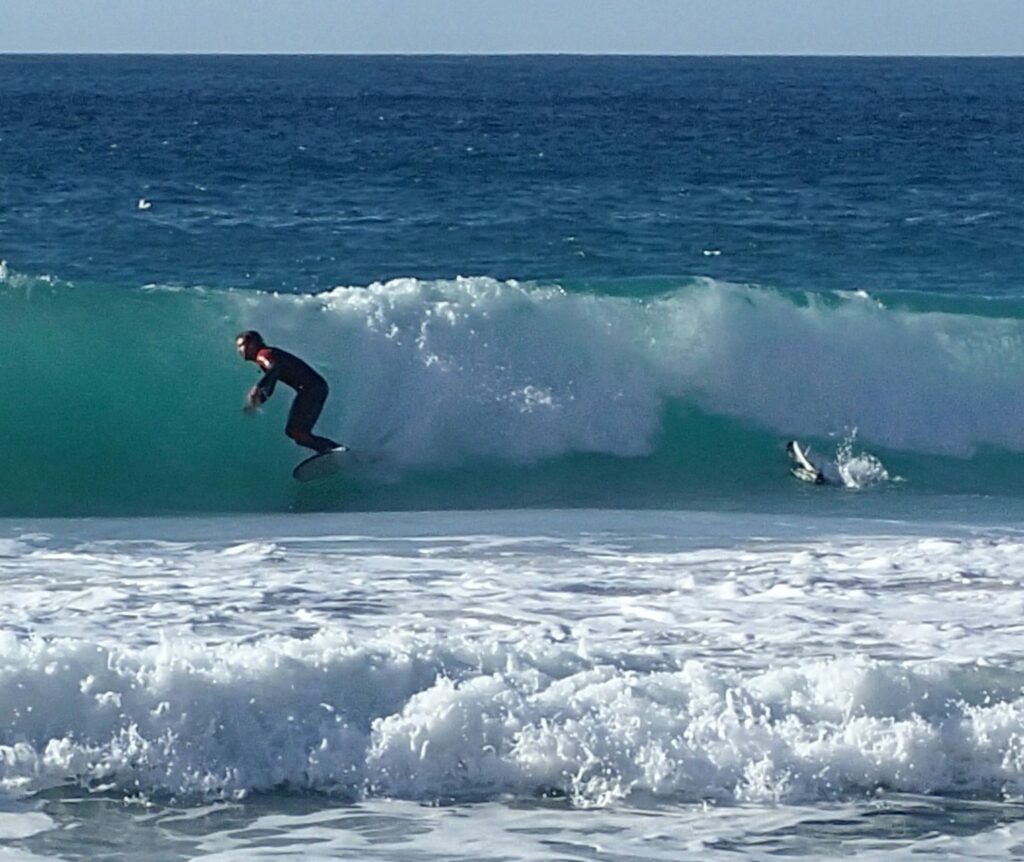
point(323, 465)
point(801, 465)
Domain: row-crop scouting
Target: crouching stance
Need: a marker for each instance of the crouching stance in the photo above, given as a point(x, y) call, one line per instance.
point(310, 388)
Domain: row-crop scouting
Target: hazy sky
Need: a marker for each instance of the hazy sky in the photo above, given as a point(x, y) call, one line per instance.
point(516, 26)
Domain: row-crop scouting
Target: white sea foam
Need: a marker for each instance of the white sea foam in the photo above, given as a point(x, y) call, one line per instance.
point(427, 719)
point(612, 658)
point(16, 825)
point(853, 467)
point(439, 370)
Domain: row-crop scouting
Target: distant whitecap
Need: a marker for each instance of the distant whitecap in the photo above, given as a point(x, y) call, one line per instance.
point(144, 204)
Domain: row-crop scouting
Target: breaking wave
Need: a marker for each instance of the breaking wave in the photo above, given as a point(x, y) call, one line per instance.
point(429, 720)
point(473, 391)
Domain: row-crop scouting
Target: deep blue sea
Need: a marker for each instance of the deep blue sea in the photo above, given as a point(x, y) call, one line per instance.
point(567, 602)
point(529, 280)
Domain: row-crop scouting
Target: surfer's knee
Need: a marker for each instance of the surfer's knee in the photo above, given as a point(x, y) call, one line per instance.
point(300, 436)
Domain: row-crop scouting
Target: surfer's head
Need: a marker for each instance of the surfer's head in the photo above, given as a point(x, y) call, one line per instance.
point(249, 343)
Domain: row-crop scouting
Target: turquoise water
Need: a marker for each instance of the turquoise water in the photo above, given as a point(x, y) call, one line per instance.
point(477, 393)
point(569, 601)
point(668, 266)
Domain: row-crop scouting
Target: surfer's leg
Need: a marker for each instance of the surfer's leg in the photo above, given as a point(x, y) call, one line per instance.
point(302, 417)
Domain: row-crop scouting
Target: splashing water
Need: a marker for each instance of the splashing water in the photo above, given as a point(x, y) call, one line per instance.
point(859, 469)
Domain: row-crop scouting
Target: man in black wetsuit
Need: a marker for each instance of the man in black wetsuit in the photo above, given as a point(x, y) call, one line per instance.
point(311, 388)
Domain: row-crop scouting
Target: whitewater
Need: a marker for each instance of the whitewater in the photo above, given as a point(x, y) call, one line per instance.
point(569, 596)
point(672, 665)
point(567, 602)
point(474, 392)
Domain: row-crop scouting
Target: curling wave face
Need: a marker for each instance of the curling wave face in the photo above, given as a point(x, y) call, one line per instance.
point(128, 400)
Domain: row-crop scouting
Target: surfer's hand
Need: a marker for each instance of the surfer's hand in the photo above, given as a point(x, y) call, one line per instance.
point(255, 397)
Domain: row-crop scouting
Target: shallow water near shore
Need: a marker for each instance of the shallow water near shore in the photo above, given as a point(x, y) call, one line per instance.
point(511, 685)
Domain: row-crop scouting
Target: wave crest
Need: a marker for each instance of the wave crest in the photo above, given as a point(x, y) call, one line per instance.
point(128, 400)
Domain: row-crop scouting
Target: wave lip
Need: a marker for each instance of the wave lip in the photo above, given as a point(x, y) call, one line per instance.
point(467, 382)
point(607, 365)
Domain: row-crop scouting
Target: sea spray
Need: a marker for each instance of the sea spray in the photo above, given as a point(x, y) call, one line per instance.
point(137, 410)
point(858, 468)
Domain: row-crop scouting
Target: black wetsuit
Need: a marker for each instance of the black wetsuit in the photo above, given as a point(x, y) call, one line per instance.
point(311, 389)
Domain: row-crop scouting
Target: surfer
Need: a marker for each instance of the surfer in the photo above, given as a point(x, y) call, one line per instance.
point(802, 466)
point(311, 389)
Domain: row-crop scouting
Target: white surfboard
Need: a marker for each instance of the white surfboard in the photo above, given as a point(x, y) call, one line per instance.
point(323, 464)
point(801, 466)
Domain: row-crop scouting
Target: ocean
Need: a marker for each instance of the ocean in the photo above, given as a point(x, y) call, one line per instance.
point(568, 603)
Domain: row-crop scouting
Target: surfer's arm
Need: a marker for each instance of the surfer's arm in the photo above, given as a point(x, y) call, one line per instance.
point(265, 388)
point(267, 383)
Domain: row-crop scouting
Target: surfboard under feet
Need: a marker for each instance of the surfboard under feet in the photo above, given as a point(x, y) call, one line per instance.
point(322, 465)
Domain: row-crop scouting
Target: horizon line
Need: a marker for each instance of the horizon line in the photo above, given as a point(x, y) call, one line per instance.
point(722, 54)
